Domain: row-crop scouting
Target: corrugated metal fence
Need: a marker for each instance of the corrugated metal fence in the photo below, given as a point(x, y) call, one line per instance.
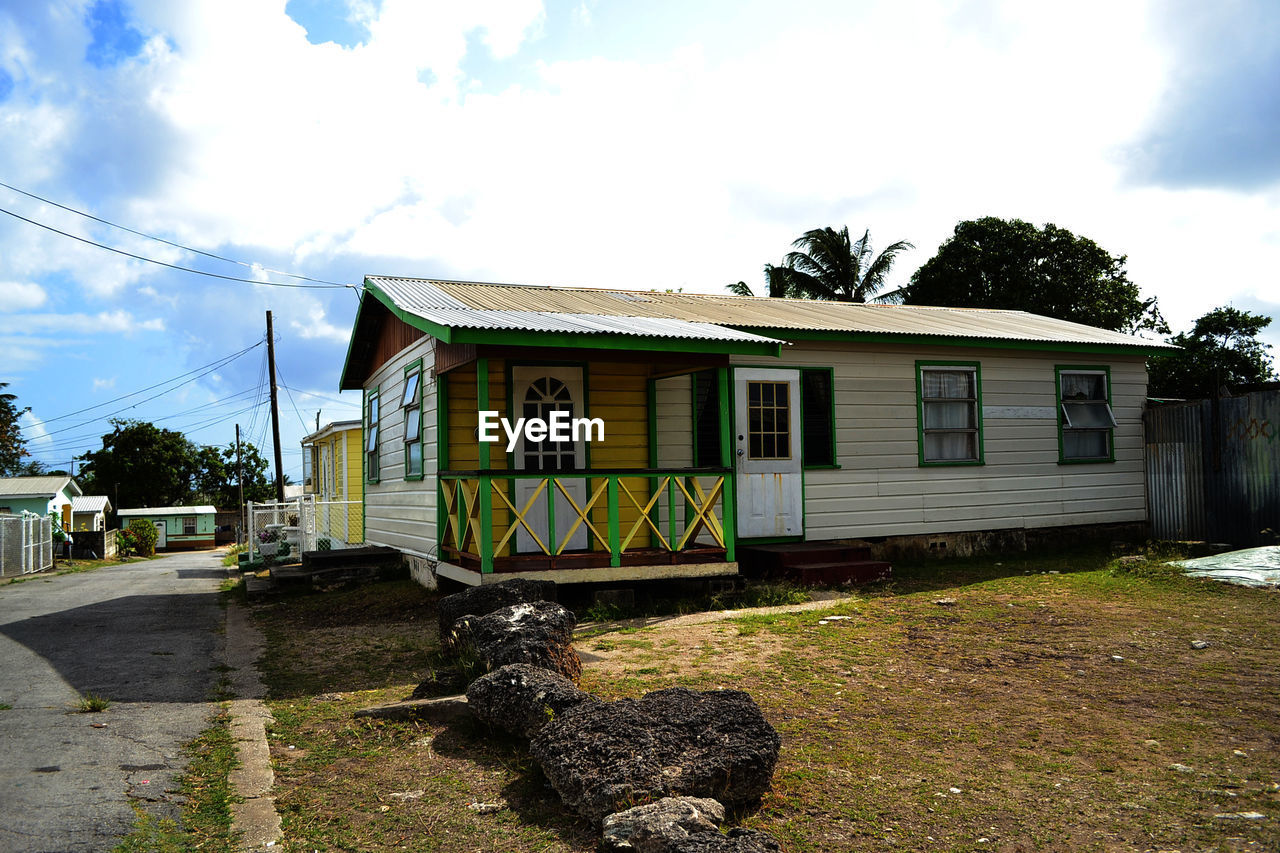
point(26, 544)
point(1213, 469)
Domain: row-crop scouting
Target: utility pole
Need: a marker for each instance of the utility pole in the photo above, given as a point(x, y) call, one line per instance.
point(244, 524)
point(275, 410)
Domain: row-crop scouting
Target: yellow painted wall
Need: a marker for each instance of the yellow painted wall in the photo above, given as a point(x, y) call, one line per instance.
point(615, 392)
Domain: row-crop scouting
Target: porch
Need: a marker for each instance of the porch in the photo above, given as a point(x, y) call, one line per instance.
point(644, 503)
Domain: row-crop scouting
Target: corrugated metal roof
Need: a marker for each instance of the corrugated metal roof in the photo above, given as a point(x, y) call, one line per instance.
point(16, 487)
point(169, 510)
point(705, 316)
point(90, 503)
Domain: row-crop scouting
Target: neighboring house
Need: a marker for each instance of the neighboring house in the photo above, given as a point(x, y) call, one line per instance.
point(333, 461)
point(178, 528)
point(89, 512)
point(728, 422)
point(41, 495)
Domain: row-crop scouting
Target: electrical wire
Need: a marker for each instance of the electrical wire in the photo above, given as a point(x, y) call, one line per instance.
point(178, 267)
point(169, 242)
point(140, 402)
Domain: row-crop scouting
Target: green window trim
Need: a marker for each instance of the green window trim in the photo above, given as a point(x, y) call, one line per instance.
point(370, 435)
point(1063, 459)
point(411, 369)
point(831, 416)
point(921, 367)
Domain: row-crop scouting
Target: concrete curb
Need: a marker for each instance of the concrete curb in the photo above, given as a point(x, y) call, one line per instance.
point(254, 822)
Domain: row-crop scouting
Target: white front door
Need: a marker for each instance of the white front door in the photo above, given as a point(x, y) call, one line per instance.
point(767, 452)
point(162, 533)
point(537, 392)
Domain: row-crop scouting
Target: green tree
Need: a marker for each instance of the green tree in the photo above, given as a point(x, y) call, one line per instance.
point(829, 265)
point(13, 447)
point(216, 475)
point(141, 465)
point(1009, 263)
point(1222, 349)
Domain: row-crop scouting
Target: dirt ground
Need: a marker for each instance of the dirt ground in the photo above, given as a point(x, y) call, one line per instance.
point(1037, 712)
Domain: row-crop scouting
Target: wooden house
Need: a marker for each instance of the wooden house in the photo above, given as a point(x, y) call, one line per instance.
point(728, 423)
point(44, 495)
point(178, 528)
point(333, 474)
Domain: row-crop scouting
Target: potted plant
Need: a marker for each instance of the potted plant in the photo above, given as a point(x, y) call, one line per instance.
point(267, 543)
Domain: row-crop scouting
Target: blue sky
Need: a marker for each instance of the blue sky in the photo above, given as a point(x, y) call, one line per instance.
point(665, 144)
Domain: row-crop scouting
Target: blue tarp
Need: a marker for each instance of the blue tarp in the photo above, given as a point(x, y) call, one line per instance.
point(1250, 567)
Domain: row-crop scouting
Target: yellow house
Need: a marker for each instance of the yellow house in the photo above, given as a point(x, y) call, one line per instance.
point(332, 457)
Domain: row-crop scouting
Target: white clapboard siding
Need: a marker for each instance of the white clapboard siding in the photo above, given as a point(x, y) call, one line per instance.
point(882, 490)
point(401, 513)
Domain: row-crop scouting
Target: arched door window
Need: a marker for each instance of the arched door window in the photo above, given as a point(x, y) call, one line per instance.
point(543, 397)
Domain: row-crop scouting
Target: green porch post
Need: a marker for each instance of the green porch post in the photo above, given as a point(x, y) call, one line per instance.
point(442, 454)
point(615, 534)
point(486, 483)
point(729, 499)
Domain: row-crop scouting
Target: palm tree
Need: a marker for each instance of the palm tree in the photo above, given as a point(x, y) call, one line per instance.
point(834, 268)
point(778, 282)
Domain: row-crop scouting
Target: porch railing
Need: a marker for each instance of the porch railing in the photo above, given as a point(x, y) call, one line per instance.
point(622, 511)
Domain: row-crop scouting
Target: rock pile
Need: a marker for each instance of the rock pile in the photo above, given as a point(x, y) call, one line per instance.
point(520, 698)
point(675, 742)
point(688, 752)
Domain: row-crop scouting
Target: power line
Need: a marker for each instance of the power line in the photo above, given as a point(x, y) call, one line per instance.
point(72, 441)
point(355, 403)
point(168, 242)
point(217, 362)
point(144, 400)
point(169, 265)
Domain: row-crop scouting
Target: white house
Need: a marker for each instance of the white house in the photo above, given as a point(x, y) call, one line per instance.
point(729, 423)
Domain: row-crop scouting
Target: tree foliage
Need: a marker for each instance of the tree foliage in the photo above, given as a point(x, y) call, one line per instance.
point(1222, 349)
point(1009, 263)
point(13, 447)
point(142, 465)
point(829, 265)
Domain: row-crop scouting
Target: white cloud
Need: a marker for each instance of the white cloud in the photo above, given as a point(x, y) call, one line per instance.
point(99, 383)
point(104, 322)
point(34, 431)
point(21, 295)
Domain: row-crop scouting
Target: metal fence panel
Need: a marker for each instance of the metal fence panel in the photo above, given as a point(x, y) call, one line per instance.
point(1213, 469)
point(26, 544)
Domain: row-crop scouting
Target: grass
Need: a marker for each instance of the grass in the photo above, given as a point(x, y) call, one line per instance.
point(92, 703)
point(5, 706)
point(1010, 696)
point(205, 822)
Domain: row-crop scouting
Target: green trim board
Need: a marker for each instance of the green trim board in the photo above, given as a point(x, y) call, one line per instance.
point(831, 417)
point(730, 498)
point(792, 335)
point(442, 451)
point(371, 394)
point(409, 474)
point(611, 341)
point(1105, 370)
point(921, 366)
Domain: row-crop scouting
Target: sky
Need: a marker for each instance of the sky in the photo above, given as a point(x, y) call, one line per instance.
point(580, 143)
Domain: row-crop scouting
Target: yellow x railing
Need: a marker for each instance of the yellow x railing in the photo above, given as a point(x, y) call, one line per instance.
point(483, 512)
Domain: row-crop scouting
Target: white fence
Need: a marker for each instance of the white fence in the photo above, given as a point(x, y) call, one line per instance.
point(26, 544)
point(283, 530)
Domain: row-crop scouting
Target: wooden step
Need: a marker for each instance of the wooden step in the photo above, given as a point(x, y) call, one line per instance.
point(838, 572)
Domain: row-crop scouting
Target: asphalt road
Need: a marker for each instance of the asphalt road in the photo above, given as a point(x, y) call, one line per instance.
point(144, 635)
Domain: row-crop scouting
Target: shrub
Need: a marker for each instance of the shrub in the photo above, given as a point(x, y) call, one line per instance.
point(126, 543)
point(144, 533)
point(324, 544)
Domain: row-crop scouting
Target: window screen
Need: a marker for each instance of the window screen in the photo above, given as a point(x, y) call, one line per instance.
point(1085, 415)
point(949, 411)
